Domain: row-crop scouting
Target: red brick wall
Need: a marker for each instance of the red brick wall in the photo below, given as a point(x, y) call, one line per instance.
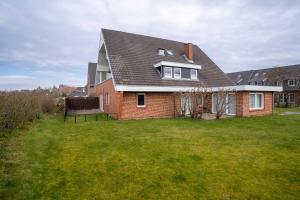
point(157, 105)
point(242, 105)
point(107, 87)
point(297, 98)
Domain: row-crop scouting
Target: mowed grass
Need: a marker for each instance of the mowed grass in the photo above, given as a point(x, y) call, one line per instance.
point(235, 158)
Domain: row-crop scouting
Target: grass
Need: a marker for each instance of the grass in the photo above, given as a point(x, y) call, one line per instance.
point(234, 158)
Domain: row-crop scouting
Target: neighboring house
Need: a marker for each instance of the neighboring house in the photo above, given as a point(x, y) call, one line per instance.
point(79, 92)
point(139, 76)
point(65, 89)
point(286, 76)
point(91, 89)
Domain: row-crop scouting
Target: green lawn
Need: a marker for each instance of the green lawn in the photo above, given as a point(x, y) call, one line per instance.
point(233, 158)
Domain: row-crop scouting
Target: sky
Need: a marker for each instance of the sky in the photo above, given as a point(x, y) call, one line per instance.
point(46, 43)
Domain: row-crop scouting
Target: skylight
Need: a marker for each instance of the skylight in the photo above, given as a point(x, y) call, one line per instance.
point(170, 52)
point(161, 52)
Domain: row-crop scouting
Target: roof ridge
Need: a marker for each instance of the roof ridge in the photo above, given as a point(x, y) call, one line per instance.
point(154, 37)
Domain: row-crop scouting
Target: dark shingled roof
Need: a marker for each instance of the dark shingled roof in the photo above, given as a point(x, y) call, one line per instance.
point(269, 75)
point(91, 73)
point(132, 58)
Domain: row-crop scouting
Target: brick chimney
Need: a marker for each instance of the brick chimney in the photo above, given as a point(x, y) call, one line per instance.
point(188, 50)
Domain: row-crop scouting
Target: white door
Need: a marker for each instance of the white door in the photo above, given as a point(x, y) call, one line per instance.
point(101, 103)
point(231, 104)
point(186, 104)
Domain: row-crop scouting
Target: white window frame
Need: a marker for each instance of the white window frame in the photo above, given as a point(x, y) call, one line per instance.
point(255, 99)
point(177, 68)
point(165, 72)
point(289, 83)
point(194, 78)
point(137, 100)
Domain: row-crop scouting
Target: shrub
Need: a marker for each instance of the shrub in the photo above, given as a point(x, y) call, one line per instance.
point(17, 108)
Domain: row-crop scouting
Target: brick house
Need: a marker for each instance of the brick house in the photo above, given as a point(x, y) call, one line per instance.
point(286, 76)
point(139, 76)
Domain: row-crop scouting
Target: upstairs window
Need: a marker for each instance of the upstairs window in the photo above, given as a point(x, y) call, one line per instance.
point(193, 74)
point(141, 101)
point(185, 73)
point(168, 72)
point(177, 73)
point(180, 73)
point(291, 82)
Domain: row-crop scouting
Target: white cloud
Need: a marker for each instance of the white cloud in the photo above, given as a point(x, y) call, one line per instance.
point(60, 37)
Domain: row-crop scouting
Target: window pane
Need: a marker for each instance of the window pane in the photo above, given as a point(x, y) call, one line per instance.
point(141, 100)
point(185, 73)
point(168, 72)
point(176, 72)
point(259, 100)
point(252, 101)
point(194, 74)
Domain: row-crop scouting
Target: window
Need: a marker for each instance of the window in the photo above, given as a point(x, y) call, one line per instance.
point(106, 98)
point(141, 100)
point(256, 101)
point(193, 74)
point(161, 52)
point(260, 83)
point(185, 73)
point(177, 73)
point(170, 52)
point(291, 82)
point(292, 98)
point(168, 72)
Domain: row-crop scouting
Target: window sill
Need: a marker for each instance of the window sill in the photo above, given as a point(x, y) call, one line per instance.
point(256, 109)
point(141, 106)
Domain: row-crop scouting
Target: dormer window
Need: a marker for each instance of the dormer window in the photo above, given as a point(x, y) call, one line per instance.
point(177, 73)
point(168, 72)
point(174, 70)
point(194, 74)
point(291, 82)
point(161, 52)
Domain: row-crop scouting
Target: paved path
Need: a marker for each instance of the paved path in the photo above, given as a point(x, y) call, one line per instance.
point(290, 113)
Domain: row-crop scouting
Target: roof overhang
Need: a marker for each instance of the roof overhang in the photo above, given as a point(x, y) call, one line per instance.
point(176, 64)
point(147, 88)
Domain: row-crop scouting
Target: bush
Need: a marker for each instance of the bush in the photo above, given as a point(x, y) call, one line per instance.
point(17, 108)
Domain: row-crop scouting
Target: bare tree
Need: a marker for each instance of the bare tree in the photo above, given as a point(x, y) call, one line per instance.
point(221, 101)
point(193, 102)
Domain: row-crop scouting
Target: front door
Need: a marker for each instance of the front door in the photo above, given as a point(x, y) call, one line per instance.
point(101, 103)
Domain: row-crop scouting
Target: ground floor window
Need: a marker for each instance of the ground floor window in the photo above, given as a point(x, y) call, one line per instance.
point(256, 101)
point(292, 98)
point(225, 103)
point(141, 100)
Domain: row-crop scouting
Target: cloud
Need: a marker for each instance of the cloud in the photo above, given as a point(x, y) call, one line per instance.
point(60, 37)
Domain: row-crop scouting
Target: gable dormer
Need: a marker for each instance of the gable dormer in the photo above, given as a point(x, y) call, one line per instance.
point(178, 71)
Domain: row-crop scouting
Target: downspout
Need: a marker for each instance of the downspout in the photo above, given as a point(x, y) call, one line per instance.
point(273, 104)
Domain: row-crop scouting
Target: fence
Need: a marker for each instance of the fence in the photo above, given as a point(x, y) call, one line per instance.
point(81, 103)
